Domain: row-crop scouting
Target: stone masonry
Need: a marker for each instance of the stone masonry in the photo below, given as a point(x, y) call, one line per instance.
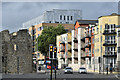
point(16, 52)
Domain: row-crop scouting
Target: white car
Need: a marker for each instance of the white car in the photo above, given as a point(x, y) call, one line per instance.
point(82, 70)
point(68, 70)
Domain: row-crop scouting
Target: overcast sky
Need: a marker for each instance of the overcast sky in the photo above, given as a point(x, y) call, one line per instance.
point(16, 13)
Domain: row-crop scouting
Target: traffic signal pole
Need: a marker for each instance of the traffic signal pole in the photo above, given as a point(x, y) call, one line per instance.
point(52, 57)
point(51, 71)
point(55, 69)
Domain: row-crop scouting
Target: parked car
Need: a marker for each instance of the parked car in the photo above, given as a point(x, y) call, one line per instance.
point(82, 70)
point(68, 70)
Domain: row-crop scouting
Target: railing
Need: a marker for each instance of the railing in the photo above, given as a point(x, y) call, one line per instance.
point(109, 32)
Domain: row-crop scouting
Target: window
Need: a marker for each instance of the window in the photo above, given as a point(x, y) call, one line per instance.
point(71, 18)
point(49, 21)
point(38, 55)
point(64, 17)
point(56, 22)
point(118, 33)
point(67, 22)
point(100, 28)
point(67, 17)
point(39, 28)
point(15, 47)
point(118, 49)
point(33, 49)
point(60, 17)
point(101, 38)
point(38, 35)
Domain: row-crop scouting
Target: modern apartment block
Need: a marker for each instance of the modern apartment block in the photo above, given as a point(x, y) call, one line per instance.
point(16, 52)
point(64, 50)
point(118, 47)
point(106, 43)
point(81, 50)
point(36, 31)
point(56, 16)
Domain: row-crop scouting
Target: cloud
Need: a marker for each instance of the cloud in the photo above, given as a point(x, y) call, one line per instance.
point(16, 13)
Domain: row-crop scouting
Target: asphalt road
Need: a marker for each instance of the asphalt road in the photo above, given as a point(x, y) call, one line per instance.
point(60, 76)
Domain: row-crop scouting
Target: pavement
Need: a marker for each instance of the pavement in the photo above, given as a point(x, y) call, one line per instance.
point(60, 76)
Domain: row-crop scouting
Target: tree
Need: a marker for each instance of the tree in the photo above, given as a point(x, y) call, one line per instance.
point(47, 37)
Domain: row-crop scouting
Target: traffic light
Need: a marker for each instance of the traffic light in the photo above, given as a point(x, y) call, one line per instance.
point(55, 52)
point(50, 51)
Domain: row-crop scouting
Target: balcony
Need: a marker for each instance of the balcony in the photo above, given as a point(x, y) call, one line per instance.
point(109, 44)
point(70, 42)
point(76, 55)
point(69, 50)
point(111, 54)
point(87, 35)
point(83, 49)
point(75, 40)
point(62, 42)
point(83, 39)
point(87, 45)
point(62, 50)
point(106, 32)
point(75, 49)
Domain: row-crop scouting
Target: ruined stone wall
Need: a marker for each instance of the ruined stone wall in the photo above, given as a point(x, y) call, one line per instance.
point(17, 52)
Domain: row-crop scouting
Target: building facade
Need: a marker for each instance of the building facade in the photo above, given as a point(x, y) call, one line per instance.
point(106, 43)
point(64, 50)
point(118, 47)
point(35, 32)
point(16, 52)
point(81, 50)
point(56, 16)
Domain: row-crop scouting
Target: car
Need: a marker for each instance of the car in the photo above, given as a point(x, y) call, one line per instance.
point(82, 70)
point(68, 70)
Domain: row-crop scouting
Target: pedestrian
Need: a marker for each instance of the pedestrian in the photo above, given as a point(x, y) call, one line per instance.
point(39, 68)
point(110, 69)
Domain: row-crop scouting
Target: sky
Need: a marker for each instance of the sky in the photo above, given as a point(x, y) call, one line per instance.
point(14, 14)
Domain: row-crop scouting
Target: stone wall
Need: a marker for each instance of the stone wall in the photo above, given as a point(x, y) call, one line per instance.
point(16, 52)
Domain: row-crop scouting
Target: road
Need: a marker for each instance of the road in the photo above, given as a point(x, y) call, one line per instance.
point(60, 76)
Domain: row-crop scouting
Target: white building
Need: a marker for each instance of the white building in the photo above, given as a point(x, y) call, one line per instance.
point(56, 16)
point(62, 46)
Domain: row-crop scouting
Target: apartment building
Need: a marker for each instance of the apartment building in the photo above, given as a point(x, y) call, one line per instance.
point(106, 43)
point(64, 50)
point(36, 31)
point(118, 47)
point(56, 16)
point(80, 37)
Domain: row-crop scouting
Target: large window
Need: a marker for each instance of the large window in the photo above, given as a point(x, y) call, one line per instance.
point(110, 39)
point(60, 17)
point(67, 17)
point(71, 17)
point(64, 17)
point(110, 50)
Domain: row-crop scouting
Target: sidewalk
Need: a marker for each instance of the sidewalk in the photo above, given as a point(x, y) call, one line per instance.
point(97, 72)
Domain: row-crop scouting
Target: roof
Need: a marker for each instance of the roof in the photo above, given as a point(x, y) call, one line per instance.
point(113, 14)
point(87, 21)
